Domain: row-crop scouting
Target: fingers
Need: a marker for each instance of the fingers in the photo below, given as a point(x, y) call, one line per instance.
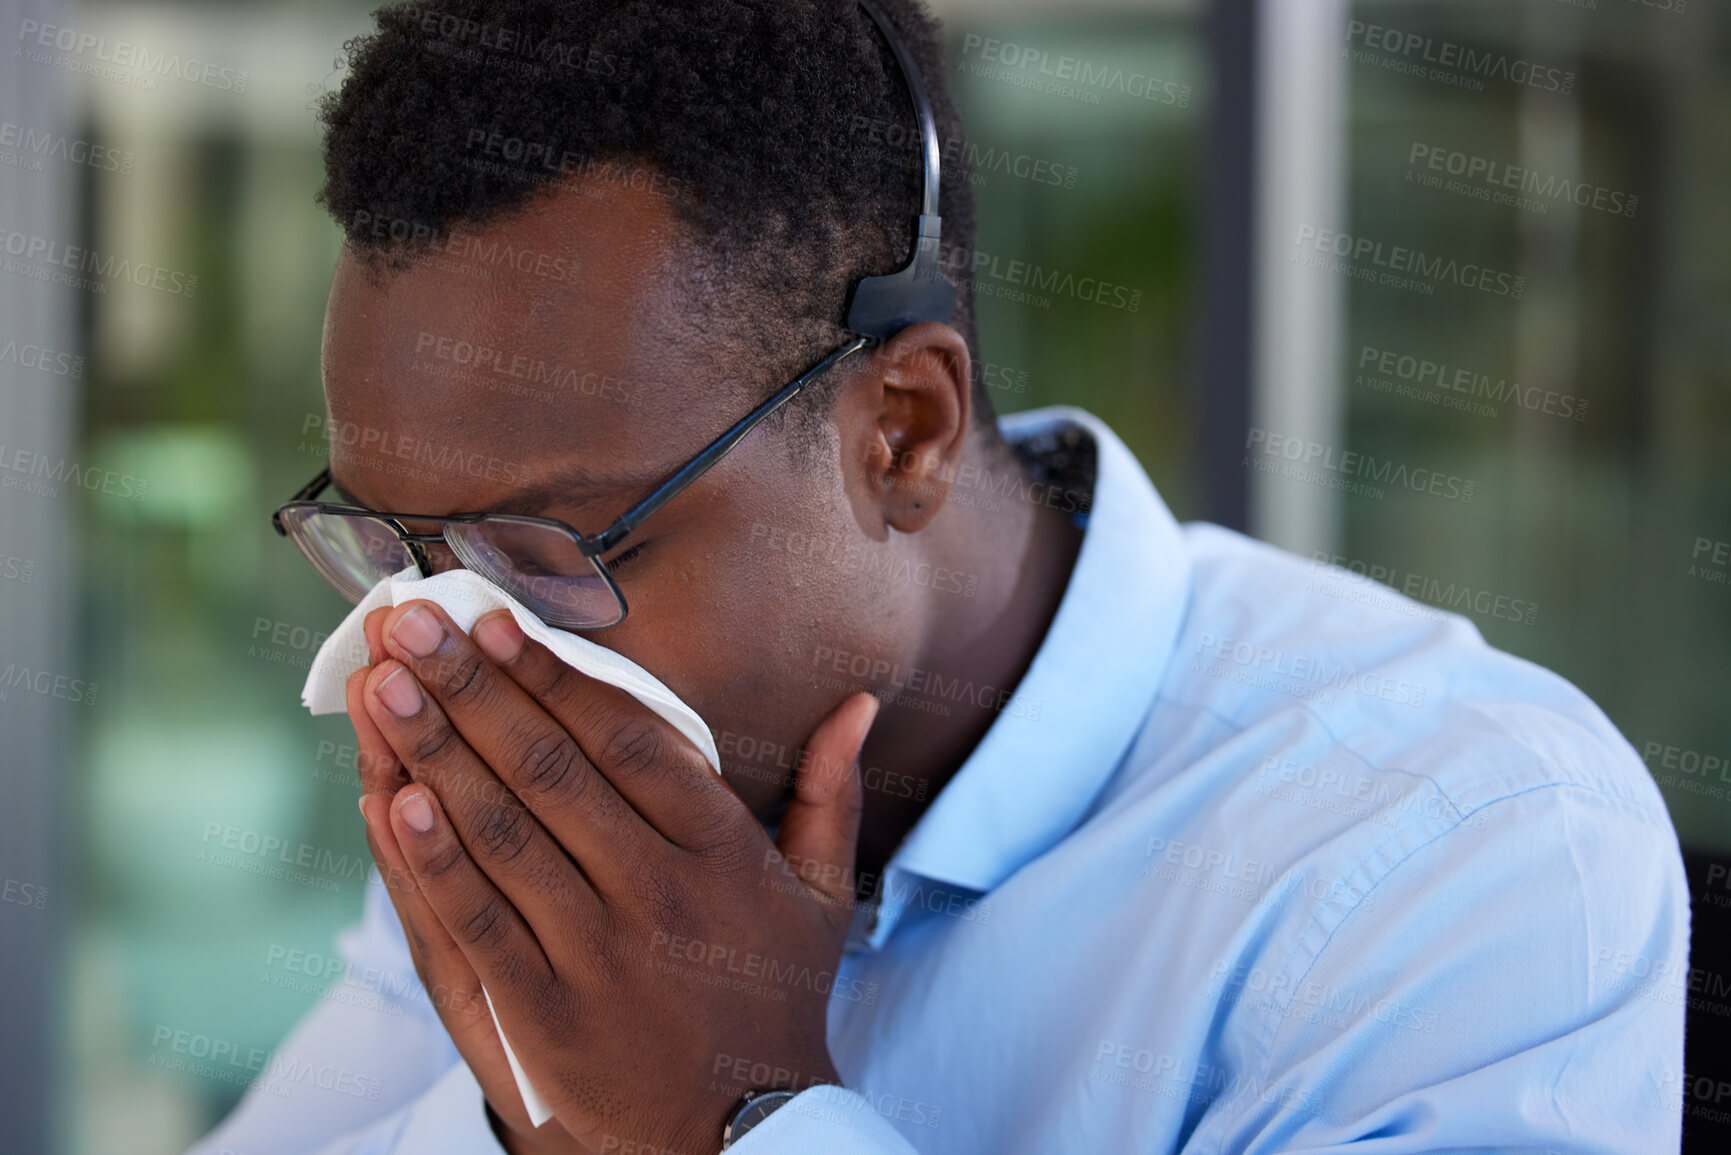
point(374, 625)
point(482, 922)
point(822, 821)
point(381, 772)
point(500, 844)
point(653, 766)
point(445, 972)
point(449, 979)
point(532, 753)
point(377, 764)
point(420, 924)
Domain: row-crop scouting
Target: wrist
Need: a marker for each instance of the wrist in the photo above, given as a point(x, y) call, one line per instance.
point(755, 1106)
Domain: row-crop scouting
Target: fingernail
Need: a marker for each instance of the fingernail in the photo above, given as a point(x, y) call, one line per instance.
point(417, 815)
point(362, 803)
point(418, 632)
point(499, 637)
point(401, 694)
point(871, 716)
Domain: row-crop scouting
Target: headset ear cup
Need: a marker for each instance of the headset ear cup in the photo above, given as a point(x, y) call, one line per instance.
point(882, 306)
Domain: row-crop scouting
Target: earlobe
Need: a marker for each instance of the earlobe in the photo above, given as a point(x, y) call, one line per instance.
point(921, 395)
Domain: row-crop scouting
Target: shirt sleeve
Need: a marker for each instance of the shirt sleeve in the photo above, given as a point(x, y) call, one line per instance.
point(1518, 984)
point(370, 1070)
point(825, 1118)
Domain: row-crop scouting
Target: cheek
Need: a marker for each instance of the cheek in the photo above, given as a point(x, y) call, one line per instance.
point(742, 628)
point(750, 612)
point(749, 690)
point(722, 620)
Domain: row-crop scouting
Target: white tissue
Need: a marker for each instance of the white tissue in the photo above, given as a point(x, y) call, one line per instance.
point(465, 596)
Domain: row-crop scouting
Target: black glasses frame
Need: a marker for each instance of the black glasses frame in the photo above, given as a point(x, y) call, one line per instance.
point(593, 546)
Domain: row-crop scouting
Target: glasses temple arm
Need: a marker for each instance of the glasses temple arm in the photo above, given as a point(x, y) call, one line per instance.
point(306, 493)
point(697, 466)
point(312, 488)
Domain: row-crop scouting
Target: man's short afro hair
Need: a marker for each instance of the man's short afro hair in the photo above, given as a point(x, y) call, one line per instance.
point(780, 130)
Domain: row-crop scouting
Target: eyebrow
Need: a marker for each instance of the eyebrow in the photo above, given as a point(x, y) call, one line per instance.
point(573, 484)
point(578, 484)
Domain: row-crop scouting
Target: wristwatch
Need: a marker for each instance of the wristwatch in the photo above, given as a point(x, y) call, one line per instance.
point(753, 1109)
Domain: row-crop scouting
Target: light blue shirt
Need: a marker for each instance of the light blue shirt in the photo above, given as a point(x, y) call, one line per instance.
point(1261, 856)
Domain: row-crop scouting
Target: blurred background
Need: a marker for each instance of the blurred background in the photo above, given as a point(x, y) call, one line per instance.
point(1484, 238)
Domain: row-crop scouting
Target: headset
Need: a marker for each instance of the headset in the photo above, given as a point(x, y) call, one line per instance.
point(882, 306)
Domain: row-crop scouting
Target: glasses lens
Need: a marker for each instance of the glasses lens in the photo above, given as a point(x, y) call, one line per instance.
point(353, 553)
point(542, 567)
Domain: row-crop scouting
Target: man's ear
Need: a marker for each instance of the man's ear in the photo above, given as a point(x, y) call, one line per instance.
point(915, 401)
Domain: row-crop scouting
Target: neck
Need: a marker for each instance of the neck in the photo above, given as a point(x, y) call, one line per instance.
point(1021, 554)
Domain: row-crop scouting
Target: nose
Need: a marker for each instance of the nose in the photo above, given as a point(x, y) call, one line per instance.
point(441, 557)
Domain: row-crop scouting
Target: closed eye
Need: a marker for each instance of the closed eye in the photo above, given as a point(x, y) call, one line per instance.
point(625, 557)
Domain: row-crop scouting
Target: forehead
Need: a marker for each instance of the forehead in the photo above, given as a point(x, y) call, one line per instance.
point(556, 341)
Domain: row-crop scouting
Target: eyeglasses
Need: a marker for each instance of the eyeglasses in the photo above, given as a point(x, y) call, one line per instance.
point(554, 570)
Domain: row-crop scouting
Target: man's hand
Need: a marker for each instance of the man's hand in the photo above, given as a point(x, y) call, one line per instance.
point(629, 916)
point(449, 979)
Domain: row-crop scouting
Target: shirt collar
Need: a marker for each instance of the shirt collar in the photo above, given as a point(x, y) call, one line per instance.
point(1085, 696)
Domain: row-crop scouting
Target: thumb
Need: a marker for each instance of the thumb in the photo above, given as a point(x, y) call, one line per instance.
point(820, 832)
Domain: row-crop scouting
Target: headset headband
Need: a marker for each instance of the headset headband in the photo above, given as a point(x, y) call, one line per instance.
point(882, 306)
